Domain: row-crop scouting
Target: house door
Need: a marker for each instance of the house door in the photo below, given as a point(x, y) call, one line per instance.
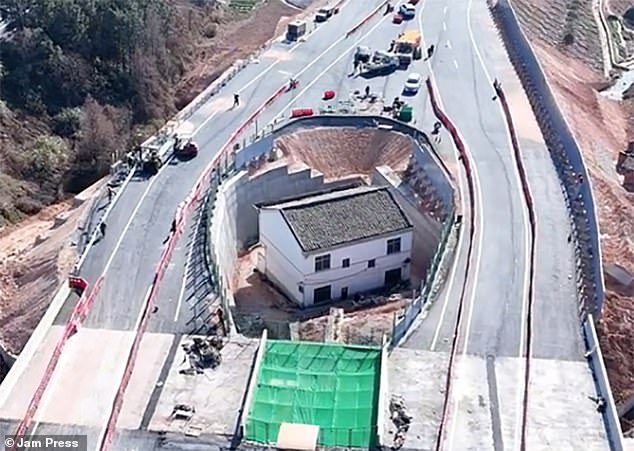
point(321, 294)
point(392, 277)
point(344, 293)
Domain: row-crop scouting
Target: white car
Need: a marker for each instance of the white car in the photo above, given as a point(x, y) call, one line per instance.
point(407, 11)
point(412, 84)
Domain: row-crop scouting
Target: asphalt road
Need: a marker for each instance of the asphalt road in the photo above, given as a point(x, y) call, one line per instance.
point(497, 285)
point(139, 223)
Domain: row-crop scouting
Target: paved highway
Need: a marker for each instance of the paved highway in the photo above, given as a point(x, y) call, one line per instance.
point(137, 227)
point(486, 406)
point(496, 299)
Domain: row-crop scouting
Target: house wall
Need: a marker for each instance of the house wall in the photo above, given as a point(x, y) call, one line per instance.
point(287, 266)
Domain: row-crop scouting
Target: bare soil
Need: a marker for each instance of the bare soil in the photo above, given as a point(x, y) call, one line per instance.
point(342, 152)
point(602, 128)
point(365, 321)
point(35, 256)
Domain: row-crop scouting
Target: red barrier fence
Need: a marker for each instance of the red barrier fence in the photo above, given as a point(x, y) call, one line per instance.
point(442, 117)
point(77, 316)
point(180, 218)
point(366, 19)
point(533, 225)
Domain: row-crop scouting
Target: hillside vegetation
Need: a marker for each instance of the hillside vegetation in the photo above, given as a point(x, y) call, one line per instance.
point(80, 82)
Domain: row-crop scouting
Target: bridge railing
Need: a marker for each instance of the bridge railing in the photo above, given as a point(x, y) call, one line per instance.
point(576, 185)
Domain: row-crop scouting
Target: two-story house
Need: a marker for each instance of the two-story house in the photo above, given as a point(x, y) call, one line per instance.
point(333, 245)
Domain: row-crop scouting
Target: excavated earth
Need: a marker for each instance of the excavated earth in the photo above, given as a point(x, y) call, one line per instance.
point(602, 128)
point(344, 151)
point(337, 153)
point(36, 255)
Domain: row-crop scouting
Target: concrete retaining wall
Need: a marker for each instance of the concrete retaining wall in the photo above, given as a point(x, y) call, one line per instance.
point(426, 229)
point(236, 218)
point(602, 383)
point(424, 152)
point(568, 161)
point(565, 153)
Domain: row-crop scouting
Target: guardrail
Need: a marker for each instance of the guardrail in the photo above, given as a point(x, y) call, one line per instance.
point(568, 161)
point(179, 221)
point(77, 317)
point(564, 152)
point(464, 159)
point(528, 198)
point(602, 383)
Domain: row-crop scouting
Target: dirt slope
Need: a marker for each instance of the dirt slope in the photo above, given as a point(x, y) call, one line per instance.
point(35, 256)
point(602, 128)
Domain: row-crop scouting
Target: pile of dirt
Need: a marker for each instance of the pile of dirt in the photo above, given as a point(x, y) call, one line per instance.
point(364, 322)
point(35, 257)
point(602, 128)
point(344, 151)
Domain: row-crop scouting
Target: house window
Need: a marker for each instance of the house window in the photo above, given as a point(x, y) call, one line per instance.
point(301, 288)
point(394, 246)
point(371, 263)
point(322, 262)
point(345, 263)
point(321, 294)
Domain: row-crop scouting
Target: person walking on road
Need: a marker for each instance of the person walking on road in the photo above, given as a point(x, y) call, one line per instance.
point(367, 91)
point(110, 193)
point(236, 100)
point(102, 229)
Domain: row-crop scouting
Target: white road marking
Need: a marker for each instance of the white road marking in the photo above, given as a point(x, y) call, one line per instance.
point(187, 263)
point(525, 300)
point(93, 236)
point(325, 71)
point(102, 431)
point(444, 10)
point(132, 216)
point(455, 63)
point(448, 44)
point(477, 258)
point(444, 26)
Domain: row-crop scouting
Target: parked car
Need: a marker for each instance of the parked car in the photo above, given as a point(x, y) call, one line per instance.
point(412, 84)
point(407, 11)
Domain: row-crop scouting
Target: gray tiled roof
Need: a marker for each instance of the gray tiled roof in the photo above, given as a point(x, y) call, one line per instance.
point(328, 220)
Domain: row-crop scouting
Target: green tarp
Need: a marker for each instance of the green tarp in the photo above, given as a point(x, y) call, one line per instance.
point(330, 385)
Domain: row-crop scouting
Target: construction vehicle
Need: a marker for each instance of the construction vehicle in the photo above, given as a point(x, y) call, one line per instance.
point(382, 63)
point(295, 30)
point(407, 47)
point(151, 162)
point(323, 14)
point(185, 147)
point(362, 54)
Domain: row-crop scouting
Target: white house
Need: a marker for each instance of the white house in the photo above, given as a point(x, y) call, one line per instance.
point(333, 245)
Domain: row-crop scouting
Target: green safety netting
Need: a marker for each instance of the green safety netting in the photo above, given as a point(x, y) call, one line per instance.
point(330, 385)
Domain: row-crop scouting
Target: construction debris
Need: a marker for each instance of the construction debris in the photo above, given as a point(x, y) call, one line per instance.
point(400, 418)
point(202, 353)
point(182, 412)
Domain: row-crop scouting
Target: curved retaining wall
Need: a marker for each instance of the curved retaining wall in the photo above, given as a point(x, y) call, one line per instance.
point(565, 153)
point(576, 184)
point(430, 162)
